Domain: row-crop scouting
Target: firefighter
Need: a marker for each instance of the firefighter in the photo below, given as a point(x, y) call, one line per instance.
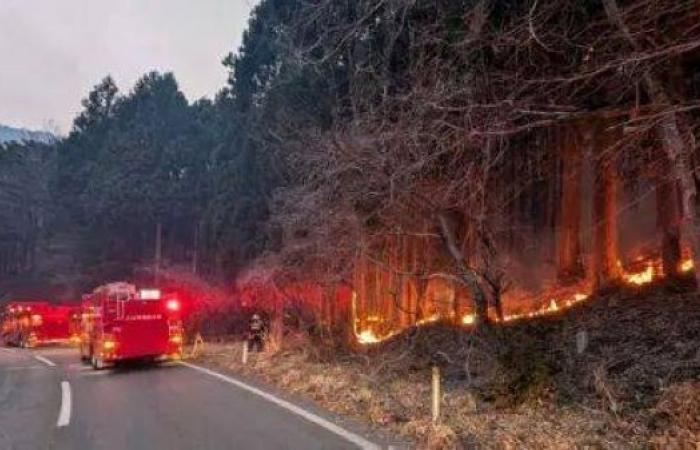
point(256, 333)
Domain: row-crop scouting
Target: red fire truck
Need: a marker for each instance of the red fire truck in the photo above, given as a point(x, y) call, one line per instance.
point(120, 322)
point(32, 323)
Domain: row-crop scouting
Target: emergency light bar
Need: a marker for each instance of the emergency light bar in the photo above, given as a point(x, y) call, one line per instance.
point(149, 294)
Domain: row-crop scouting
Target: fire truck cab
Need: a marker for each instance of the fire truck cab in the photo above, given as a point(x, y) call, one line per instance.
point(120, 322)
point(31, 323)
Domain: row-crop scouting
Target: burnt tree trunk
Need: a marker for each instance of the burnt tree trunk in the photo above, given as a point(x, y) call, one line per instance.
point(678, 151)
point(668, 215)
point(679, 156)
point(456, 309)
point(466, 274)
point(605, 251)
point(569, 263)
point(361, 298)
point(421, 296)
point(403, 299)
point(412, 282)
point(389, 283)
point(421, 279)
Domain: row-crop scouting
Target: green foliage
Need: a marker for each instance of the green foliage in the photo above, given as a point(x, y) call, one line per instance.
point(25, 207)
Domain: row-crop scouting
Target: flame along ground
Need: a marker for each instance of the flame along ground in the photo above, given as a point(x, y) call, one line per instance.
point(650, 273)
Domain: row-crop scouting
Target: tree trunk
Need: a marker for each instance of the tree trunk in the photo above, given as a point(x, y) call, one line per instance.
point(605, 251)
point(467, 275)
point(421, 296)
point(378, 304)
point(414, 299)
point(677, 151)
point(667, 212)
point(454, 300)
point(404, 292)
point(421, 279)
point(195, 247)
point(569, 264)
point(158, 252)
point(361, 304)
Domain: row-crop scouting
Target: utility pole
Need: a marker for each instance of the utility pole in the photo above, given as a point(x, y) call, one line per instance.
point(159, 252)
point(195, 250)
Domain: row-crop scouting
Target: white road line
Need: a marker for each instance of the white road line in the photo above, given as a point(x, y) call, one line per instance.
point(64, 413)
point(356, 439)
point(46, 361)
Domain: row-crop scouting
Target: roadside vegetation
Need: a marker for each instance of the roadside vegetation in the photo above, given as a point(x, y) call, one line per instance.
point(525, 386)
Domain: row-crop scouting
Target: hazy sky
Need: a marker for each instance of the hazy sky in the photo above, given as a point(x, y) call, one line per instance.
point(53, 51)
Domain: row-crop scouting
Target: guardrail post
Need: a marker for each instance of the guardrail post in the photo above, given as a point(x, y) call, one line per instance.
point(437, 395)
point(244, 356)
point(581, 341)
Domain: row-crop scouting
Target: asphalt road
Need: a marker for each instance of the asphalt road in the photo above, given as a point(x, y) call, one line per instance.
point(49, 400)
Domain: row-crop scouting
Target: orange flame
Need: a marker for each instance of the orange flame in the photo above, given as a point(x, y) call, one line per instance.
point(468, 319)
point(639, 278)
point(687, 265)
point(650, 272)
point(368, 337)
point(433, 318)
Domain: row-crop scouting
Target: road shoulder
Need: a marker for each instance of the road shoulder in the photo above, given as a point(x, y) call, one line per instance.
point(225, 360)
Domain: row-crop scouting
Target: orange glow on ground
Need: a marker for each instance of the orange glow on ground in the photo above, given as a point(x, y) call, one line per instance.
point(468, 319)
point(648, 271)
point(640, 278)
point(368, 336)
point(433, 318)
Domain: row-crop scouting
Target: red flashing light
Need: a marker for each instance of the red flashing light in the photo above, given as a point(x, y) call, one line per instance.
point(172, 305)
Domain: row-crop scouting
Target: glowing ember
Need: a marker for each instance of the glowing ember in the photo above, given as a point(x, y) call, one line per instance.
point(468, 319)
point(687, 265)
point(580, 297)
point(433, 318)
point(640, 278)
point(368, 337)
point(553, 306)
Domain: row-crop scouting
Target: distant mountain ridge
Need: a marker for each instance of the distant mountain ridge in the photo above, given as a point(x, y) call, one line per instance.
point(9, 134)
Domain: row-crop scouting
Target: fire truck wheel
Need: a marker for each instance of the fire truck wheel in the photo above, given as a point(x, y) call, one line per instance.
point(98, 363)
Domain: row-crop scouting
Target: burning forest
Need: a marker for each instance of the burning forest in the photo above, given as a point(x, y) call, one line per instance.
point(511, 191)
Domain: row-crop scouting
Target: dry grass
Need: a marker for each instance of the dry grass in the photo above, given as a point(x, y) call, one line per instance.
point(637, 386)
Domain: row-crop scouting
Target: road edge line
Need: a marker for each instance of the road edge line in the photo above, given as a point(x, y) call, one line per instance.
point(46, 361)
point(309, 416)
point(66, 405)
